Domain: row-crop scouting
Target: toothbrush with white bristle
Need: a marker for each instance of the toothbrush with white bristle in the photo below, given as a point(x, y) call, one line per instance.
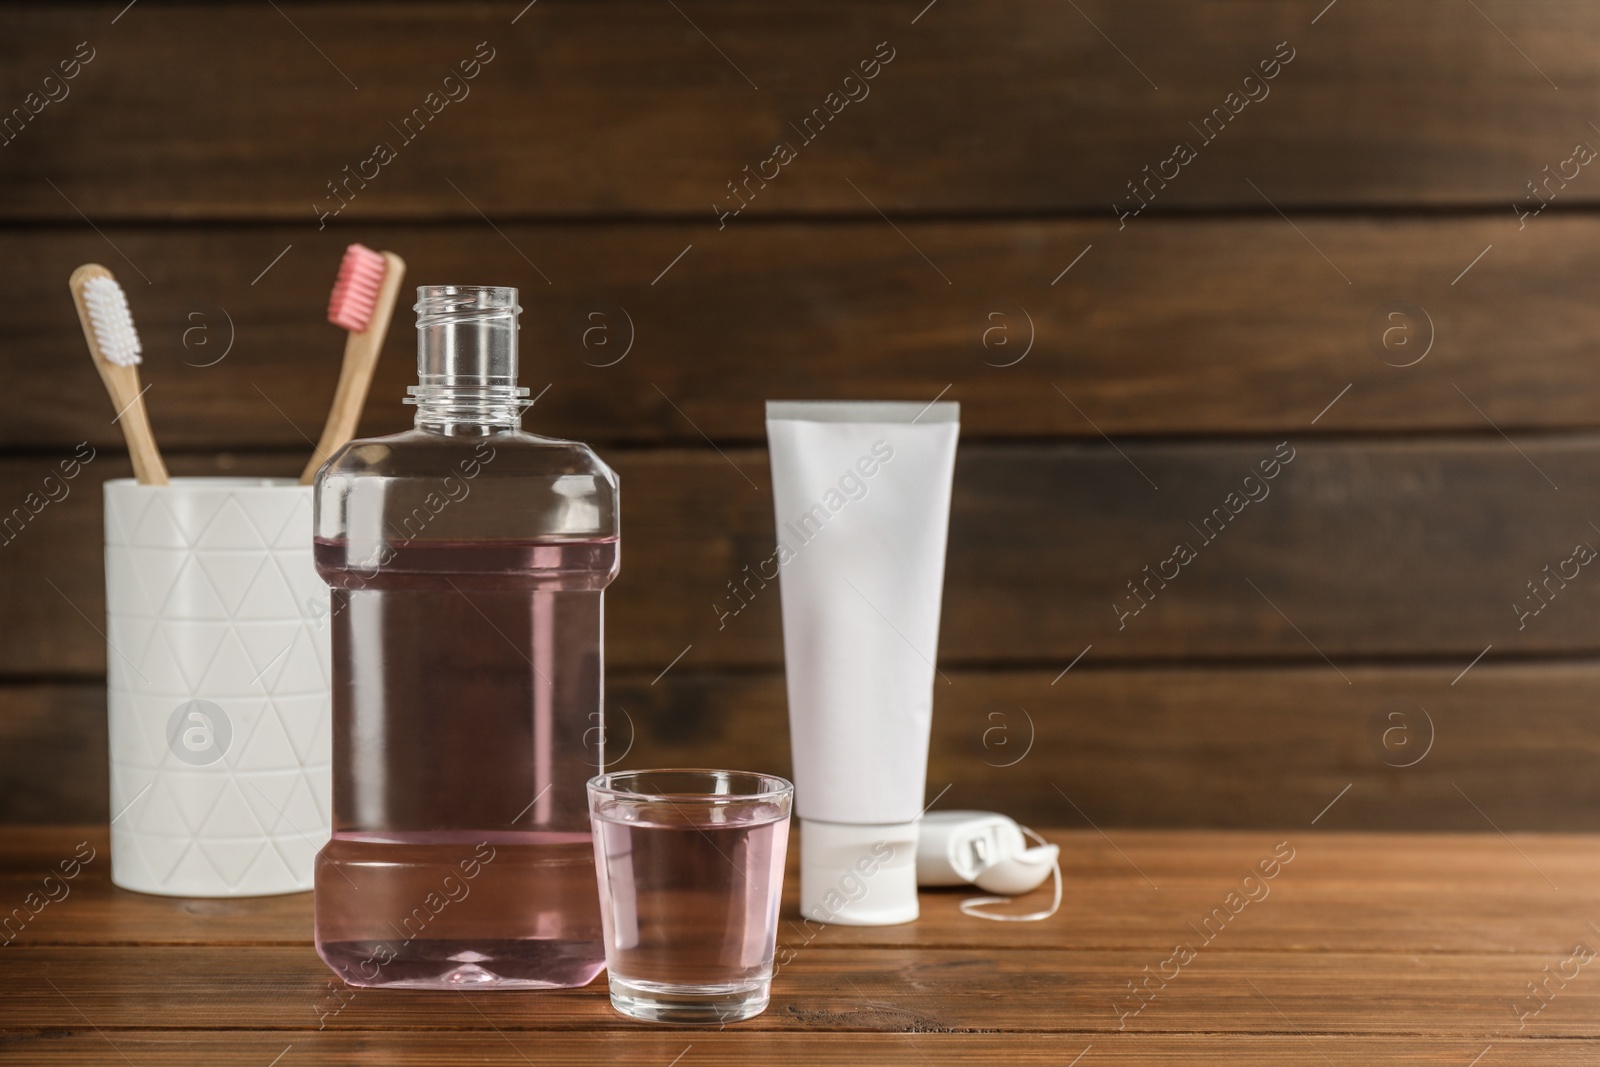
point(362, 302)
point(114, 344)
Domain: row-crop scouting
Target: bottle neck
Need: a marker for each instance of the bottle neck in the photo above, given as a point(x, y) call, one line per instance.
point(456, 411)
point(467, 361)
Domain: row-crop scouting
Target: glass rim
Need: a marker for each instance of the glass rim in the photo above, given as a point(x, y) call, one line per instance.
point(774, 786)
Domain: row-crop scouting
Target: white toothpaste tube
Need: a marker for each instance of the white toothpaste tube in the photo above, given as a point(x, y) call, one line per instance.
point(862, 496)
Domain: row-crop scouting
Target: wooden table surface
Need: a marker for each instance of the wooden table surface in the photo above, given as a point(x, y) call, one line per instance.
point(1360, 949)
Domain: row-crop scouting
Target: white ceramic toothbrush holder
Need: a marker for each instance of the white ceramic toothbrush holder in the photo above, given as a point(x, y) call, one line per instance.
point(218, 687)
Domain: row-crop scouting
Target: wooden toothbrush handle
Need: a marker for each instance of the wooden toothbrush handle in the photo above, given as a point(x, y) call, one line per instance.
point(123, 384)
point(361, 351)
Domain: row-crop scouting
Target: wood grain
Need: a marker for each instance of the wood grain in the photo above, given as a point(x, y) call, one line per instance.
point(1048, 109)
point(1198, 327)
point(739, 1047)
point(1362, 551)
point(1510, 746)
point(1326, 899)
point(1419, 950)
point(920, 989)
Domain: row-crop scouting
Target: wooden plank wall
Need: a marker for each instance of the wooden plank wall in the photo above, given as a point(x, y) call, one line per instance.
point(1349, 265)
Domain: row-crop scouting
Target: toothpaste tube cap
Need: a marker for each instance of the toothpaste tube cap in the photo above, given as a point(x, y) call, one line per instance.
point(858, 874)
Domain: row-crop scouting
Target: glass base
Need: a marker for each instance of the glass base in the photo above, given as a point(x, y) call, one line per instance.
point(695, 1004)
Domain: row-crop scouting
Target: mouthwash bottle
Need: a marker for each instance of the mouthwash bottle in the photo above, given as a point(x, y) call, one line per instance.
point(467, 562)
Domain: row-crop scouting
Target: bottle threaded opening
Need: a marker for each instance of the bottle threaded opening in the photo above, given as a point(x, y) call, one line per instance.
point(467, 356)
point(438, 304)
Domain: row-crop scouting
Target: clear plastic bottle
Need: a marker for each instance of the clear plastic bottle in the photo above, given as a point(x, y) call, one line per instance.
point(467, 562)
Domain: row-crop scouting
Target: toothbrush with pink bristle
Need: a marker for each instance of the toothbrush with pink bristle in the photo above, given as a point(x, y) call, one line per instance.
point(362, 302)
point(114, 344)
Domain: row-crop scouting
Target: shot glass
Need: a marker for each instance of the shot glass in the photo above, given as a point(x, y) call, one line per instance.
point(690, 866)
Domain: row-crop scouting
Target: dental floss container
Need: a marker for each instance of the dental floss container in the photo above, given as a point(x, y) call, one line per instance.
point(989, 850)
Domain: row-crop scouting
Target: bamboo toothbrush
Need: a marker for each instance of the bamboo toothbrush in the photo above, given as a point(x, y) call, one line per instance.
point(362, 302)
point(114, 344)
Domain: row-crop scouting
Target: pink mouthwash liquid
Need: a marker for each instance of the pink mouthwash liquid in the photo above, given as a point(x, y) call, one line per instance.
point(692, 902)
point(467, 562)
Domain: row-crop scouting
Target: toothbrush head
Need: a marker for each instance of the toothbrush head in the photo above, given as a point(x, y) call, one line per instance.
point(111, 320)
point(355, 294)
